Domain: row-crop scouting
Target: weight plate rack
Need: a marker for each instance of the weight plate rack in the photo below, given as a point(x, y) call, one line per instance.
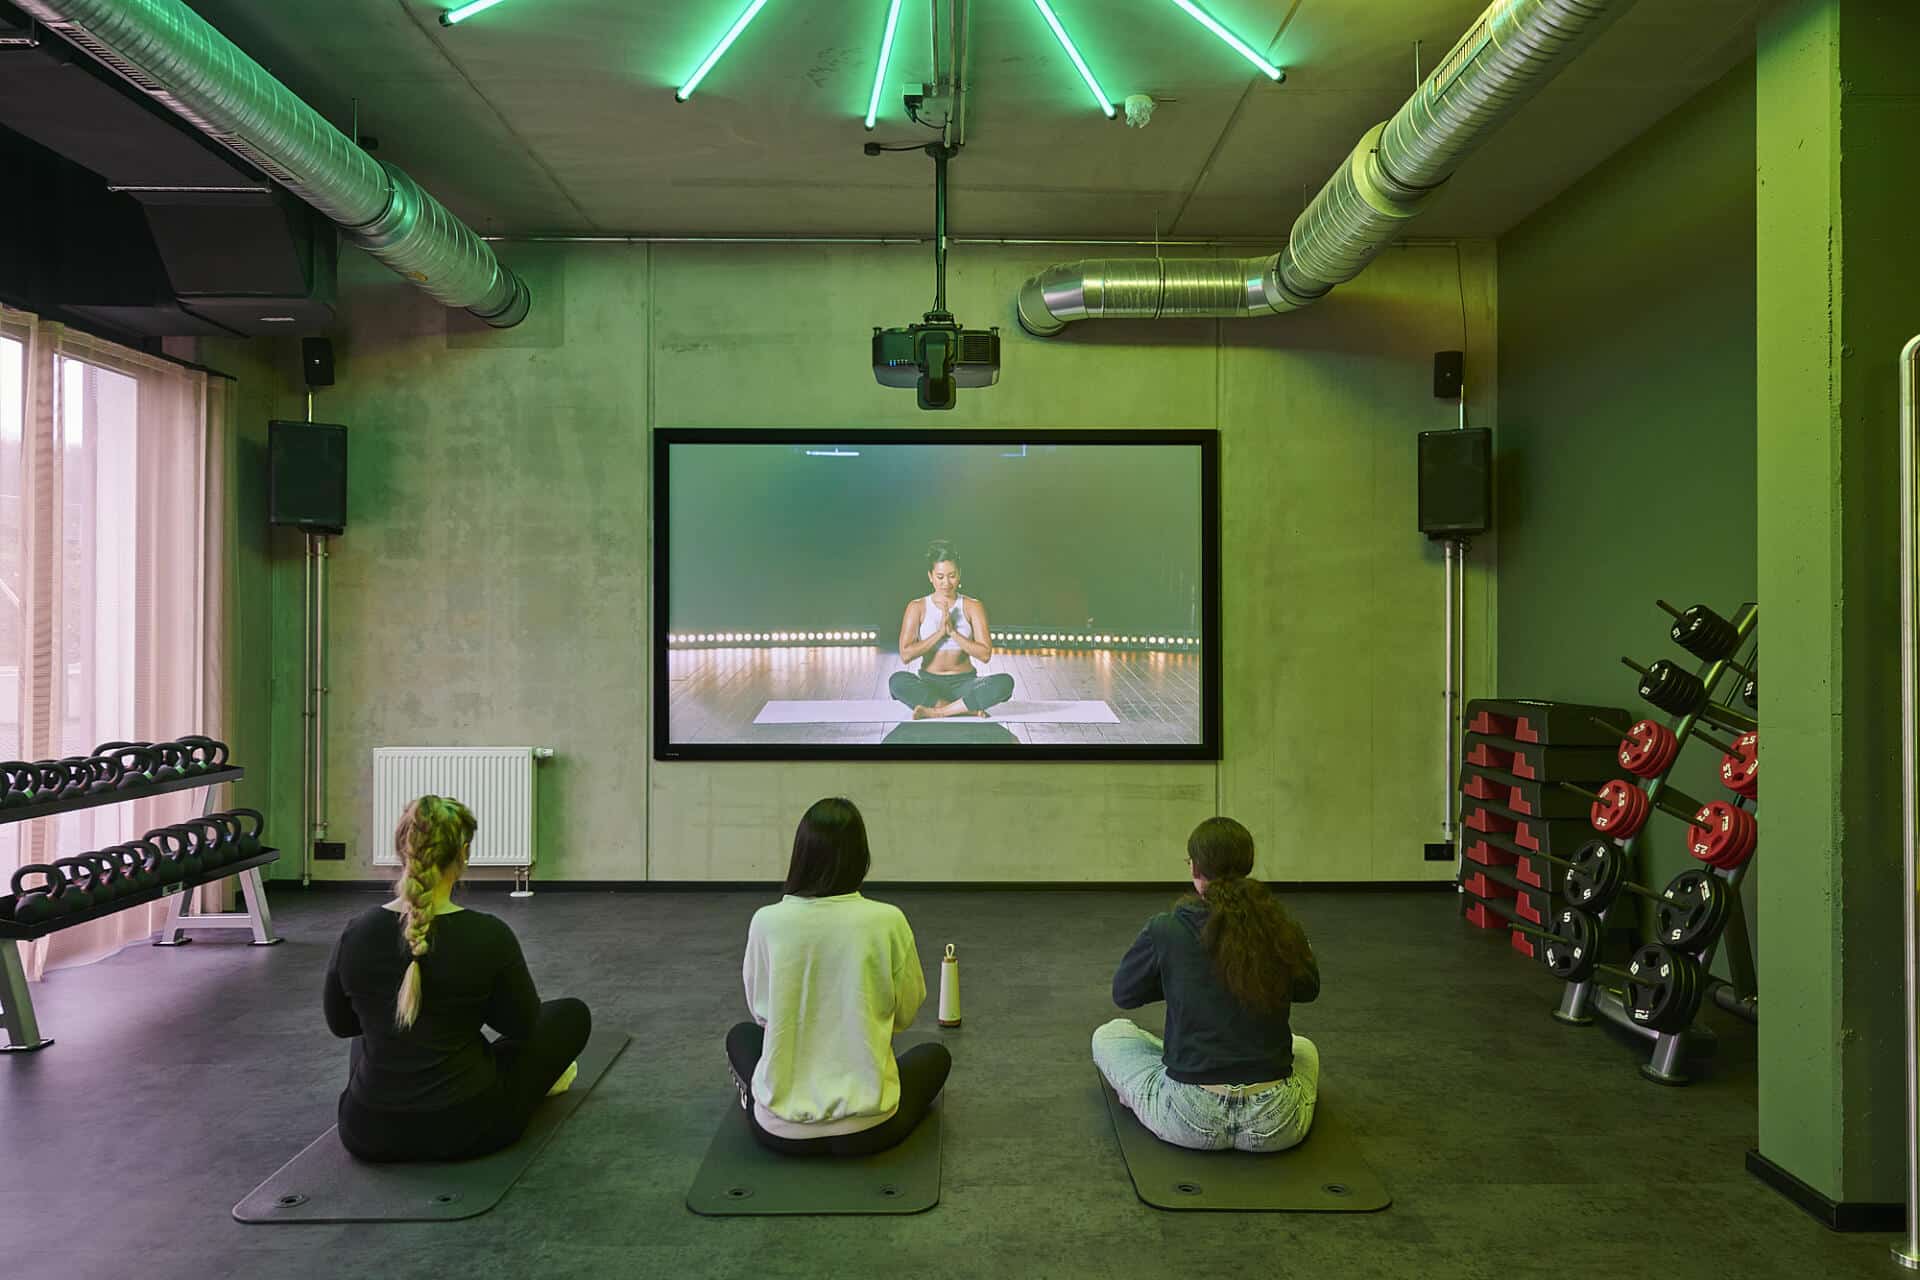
point(19, 1027)
point(1532, 867)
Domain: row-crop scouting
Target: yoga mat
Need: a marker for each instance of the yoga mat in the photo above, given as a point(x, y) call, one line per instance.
point(325, 1184)
point(887, 711)
point(741, 1178)
point(1324, 1174)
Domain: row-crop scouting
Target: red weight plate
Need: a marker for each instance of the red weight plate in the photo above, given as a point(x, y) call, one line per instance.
point(1621, 810)
point(1640, 750)
point(1748, 745)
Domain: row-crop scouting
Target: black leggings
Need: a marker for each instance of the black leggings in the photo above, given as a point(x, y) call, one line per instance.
point(495, 1119)
point(925, 689)
point(923, 1073)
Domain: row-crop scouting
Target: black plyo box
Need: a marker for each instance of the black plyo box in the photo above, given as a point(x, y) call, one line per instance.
point(1559, 724)
point(1530, 799)
point(1539, 763)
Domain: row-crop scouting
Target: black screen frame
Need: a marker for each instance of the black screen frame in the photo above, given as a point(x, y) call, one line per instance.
point(276, 427)
point(1207, 749)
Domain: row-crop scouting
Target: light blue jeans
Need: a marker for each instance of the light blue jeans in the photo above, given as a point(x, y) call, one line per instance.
point(1187, 1115)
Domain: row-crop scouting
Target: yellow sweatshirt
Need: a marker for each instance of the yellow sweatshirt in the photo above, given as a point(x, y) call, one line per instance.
point(831, 980)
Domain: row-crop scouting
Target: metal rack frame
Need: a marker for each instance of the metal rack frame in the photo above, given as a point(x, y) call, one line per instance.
point(17, 1017)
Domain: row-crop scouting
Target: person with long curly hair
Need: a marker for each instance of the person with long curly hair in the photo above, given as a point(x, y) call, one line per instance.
point(413, 982)
point(1230, 962)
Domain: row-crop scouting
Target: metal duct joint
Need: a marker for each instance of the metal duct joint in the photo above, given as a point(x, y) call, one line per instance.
point(1513, 49)
point(168, 52)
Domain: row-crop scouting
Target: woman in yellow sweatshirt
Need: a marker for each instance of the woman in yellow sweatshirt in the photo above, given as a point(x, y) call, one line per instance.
point(830, 977)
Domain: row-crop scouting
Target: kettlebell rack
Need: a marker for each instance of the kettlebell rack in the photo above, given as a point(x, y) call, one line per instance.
point(18, 1022)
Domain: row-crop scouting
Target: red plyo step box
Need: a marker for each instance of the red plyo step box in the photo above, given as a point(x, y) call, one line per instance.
point(1564, 724)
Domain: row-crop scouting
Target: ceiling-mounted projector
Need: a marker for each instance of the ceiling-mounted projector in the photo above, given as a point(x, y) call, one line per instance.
point(936, 357)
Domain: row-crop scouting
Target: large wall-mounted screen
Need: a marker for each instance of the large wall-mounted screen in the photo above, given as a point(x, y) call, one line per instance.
point(951, 594)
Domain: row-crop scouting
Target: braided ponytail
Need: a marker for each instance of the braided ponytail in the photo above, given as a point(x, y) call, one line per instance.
point(432, 841)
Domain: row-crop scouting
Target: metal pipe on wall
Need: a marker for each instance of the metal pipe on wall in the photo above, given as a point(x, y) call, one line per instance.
point(306, 716)
point(320, 696)
point(1907, 1252)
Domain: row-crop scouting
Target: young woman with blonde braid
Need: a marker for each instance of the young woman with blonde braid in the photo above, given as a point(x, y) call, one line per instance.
point(413, 982)
point(1231, 964)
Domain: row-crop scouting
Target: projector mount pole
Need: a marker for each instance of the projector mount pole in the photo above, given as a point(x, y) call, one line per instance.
point(941, 153)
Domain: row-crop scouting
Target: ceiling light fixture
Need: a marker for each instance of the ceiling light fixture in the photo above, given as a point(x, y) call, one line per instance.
point(886, 55)
point(1238, 45)
point(685, 91)
point(461, 12)
point(1079, 63)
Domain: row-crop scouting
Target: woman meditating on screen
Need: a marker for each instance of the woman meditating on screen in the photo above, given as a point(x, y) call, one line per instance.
point(830, 977)
point(946, 632)
point(413, 982)
point(1230, 963)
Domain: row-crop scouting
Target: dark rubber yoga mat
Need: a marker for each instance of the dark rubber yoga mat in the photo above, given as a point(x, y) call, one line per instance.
point(1324, 1174)
point(741, 1178)
point(325, 1184)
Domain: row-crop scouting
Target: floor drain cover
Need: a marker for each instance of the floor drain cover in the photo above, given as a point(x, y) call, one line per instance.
point(739, 1193)
point(1187, 1188)
point(290, 1201)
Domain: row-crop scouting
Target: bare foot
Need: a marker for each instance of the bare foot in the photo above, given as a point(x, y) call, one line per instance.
point(921, 713)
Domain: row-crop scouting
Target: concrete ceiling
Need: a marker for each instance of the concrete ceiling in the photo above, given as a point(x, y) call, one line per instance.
point(559, 116)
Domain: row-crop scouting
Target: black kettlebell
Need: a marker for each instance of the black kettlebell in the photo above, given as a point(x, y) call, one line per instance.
point(126, 869)
point(38, 905)
point(79, 775)
point(18, 778)
point(51, 780)
point(248, 840)
point(134, 759)
point(214, 845)
point(108, 886)
point(208, 754)
point(170, 761)
point(193, 859)
point(80, 876)
point(139, 864)
point(166, 858)
point(103, 773)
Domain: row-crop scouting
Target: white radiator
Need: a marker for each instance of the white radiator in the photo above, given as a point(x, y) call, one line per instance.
point(495, 782)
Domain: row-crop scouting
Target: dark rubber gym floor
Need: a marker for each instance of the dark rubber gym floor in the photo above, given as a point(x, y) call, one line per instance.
point(1512, 1145)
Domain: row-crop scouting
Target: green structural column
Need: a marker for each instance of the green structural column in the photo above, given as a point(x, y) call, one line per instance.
point(1838, 292)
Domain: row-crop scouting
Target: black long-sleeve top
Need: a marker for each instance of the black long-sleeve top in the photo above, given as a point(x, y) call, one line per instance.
point(1211, 1038)
point(473, 975)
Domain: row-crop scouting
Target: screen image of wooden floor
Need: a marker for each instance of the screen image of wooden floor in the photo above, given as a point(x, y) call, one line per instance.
point(715, 695)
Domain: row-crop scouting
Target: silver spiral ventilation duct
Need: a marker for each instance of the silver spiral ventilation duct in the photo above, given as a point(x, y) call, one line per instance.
point(169, 53)
point(1510, 51)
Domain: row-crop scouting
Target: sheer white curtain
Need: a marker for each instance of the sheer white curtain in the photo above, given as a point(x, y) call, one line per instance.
point(111, 581)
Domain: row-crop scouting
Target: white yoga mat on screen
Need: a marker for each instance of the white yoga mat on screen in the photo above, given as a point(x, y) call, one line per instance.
point(887, 711)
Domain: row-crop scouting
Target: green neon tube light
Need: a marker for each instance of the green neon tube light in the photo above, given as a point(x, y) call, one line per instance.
point(880, 72)
point(685, 91)
point(461, 12)
point(1079, 63)
point(1238, 45)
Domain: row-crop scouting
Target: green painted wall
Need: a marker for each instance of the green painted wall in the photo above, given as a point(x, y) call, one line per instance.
point(1626, 468)
point(492, 587)
point(1839, 107)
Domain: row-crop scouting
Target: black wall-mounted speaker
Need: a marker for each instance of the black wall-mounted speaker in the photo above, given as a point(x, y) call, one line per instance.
point(1449, 374)
point(307, 476)
point(316, 361)
point(1456, 482)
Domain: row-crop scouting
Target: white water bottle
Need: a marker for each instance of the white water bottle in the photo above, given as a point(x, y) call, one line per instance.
point(950, 989)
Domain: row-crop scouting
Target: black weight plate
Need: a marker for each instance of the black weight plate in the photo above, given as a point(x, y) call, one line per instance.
point(1693, 910)
point(1594, 879)
point(1571, 953)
